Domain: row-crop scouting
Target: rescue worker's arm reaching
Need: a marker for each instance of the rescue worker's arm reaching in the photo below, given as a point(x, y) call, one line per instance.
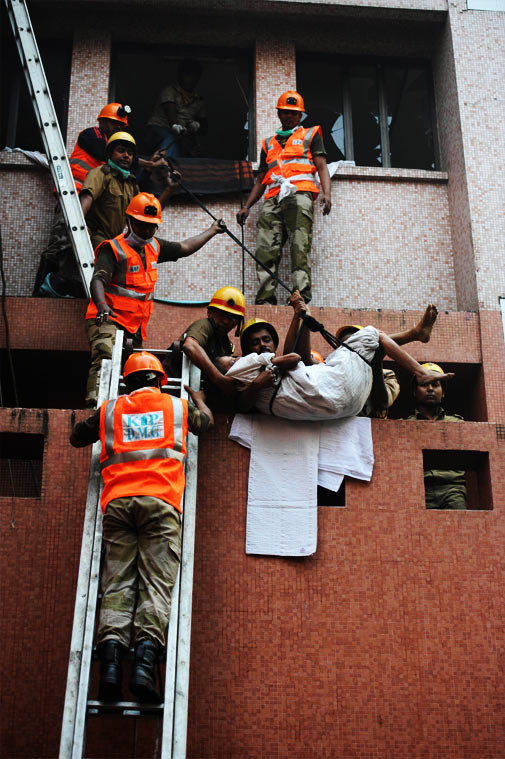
point(198, 398)
point(192, 244)
point(324, 178)
point(199, 357)
point(303, 345)
point(256, 193)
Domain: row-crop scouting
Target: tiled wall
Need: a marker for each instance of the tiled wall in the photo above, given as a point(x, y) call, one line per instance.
point(385, 643)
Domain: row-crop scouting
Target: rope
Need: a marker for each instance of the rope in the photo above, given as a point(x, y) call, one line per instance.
point(308, 320)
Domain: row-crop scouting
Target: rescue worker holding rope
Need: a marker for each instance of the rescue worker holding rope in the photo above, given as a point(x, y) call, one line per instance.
point(143, 438)
point(289, 162)
point(122, 287)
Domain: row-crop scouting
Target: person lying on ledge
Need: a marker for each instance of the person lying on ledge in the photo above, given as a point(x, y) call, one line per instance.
point(292, 388)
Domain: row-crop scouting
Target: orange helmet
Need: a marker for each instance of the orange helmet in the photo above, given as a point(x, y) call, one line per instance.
point(291, 101)
point(143, 362)
point(145, 207)
point(316, 357)
point(116, 112)
point(229, 299)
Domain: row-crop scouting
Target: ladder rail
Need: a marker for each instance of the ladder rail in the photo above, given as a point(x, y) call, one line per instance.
point(186, 572)
point(51, 137)
point(74, 714)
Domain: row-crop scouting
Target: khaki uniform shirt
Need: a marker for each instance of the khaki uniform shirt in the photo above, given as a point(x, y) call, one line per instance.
point(437, 477)
point(111, 195)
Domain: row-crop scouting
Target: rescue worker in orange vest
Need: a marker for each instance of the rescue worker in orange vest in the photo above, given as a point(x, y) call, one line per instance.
point(143, 438)
point(122, 287)
point(289, 162)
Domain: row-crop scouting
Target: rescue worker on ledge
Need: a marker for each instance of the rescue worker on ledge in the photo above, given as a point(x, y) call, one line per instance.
point(143, 438)
point(122, 287)
point(444, 488)
point(57, 264)
point(207, 339)
point(288, 164)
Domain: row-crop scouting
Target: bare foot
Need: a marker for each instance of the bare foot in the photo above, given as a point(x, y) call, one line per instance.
point(425, 376)
point(425, 325)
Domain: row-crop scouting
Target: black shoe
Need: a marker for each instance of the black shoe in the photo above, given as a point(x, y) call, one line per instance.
point(142, 683)
point(110, 653)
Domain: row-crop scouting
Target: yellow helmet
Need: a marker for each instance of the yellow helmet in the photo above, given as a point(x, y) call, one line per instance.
point(229, 299)
point(252, 323)
point(121, 137)
point(347, 328)
point(433, 367)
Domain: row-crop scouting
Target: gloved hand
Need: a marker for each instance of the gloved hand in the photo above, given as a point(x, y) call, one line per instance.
point(178, 129)
point(193, 126)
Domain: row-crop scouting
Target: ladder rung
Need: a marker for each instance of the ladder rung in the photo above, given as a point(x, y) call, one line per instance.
point(123, 709)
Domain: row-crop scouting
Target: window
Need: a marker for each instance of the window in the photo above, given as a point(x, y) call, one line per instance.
point(476, 473)
point(44, 379)
point(18, 127)
point(376, 112)
point(326, 497)
point(21, 465)
point(225, 85)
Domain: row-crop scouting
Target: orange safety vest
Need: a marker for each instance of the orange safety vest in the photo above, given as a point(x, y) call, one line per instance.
point(80, 163)
point(143, 438)
point(130, 293)
point(293, 161)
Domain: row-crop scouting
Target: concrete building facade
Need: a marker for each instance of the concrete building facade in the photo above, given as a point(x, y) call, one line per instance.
point(390, 641)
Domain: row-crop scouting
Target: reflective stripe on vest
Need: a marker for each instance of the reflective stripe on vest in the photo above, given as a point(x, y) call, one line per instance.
point(143, 455)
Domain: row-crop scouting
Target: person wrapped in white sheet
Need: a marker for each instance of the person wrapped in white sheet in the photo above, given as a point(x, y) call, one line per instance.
point(336, 389)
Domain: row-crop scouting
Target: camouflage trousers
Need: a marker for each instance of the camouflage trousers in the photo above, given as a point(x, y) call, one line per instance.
point(445, 496)
point(289, 220)
point(101, 342)
point(142, 542)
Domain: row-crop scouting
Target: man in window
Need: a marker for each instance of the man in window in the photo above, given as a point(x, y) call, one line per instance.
point(179, 115)
point(289, 162)
point(444, 488)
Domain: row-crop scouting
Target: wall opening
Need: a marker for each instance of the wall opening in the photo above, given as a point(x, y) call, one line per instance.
point(21, 465)
point(327, 497)
point(464, 394)
point(44, 379)
point(474, 466)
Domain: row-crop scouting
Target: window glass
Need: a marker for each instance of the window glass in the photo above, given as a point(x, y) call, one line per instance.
point(322, 93)
point(18, 123)
point(409, 116)
point(365, 115)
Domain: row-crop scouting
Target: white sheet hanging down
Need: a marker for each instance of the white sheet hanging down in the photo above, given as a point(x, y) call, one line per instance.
point(333, 390)
point(282, 499)
point(345, 447)
point(282, 494)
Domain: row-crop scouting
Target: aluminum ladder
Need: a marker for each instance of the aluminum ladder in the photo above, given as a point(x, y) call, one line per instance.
point(173, 712)
point(51, 137)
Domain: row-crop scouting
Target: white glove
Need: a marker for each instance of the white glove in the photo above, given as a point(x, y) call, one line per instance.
point(178, 129)
point(193, 126)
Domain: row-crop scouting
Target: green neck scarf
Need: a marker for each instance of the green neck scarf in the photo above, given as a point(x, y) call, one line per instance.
point(125, 173)
point(285, 132)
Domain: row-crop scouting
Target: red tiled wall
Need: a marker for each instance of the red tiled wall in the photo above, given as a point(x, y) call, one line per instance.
point(386, 643)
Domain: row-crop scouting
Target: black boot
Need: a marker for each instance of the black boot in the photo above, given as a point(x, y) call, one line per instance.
point(110, 653)
point(142, 683)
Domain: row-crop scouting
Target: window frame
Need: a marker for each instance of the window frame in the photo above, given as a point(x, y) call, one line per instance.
point(380, 62)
